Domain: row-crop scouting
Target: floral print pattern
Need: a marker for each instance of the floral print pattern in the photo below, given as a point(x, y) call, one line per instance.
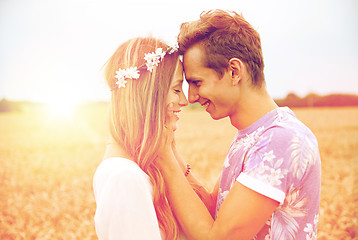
point(280, 153)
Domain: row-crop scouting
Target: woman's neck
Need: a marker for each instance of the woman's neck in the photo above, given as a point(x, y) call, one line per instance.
point(115, 150)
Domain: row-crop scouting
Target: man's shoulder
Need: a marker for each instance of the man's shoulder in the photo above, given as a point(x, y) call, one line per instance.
point(288, 126)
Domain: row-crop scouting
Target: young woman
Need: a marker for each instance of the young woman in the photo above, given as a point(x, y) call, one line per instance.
point(145, 78)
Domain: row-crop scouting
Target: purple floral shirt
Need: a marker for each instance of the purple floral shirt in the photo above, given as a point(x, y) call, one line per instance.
point(278, 157)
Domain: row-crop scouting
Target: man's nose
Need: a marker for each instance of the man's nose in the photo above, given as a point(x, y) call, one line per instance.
point(193, 95)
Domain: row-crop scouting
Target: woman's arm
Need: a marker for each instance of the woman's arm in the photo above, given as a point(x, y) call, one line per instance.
point(208, 198)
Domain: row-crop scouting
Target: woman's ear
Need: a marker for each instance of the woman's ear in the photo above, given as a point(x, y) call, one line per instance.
point(236, 66)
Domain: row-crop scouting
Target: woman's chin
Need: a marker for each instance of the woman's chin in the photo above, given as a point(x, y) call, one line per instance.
point(175, 126)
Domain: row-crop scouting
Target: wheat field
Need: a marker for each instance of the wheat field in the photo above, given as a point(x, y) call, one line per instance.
point(47, 165)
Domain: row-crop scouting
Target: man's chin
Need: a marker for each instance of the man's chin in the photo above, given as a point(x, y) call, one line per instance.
point(216, 116)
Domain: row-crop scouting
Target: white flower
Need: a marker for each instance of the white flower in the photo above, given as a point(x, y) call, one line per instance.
point(120, 74)
point(121, 83)
point(149, 57)
point(132, 73)
point(150, 65)
point(153, 59)
point(129, 73)
point(159, 52)
point(173, 48)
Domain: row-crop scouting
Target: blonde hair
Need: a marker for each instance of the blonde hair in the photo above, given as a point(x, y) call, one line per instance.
point(138, 115)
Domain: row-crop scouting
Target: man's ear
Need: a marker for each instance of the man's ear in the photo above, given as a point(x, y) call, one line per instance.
point(236, 67)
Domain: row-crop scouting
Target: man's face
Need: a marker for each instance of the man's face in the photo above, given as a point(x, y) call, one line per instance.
point(205, 85)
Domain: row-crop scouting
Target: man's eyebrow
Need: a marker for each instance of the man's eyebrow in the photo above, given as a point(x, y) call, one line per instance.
point(190, 79)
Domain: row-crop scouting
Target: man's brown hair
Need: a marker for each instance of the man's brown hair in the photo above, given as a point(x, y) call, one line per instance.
point(224, 35)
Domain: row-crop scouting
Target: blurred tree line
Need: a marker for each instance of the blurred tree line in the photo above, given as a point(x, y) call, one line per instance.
point(315, 100)
point(312, 100)
point(7, 106)
point(17, 106)
point(291, 100)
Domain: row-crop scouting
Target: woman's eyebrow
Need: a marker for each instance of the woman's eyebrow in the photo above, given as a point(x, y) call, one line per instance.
point(178, 82)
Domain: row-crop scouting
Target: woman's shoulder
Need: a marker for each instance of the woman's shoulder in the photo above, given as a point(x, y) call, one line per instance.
point(119, 170)
point(120, 166)
point(117, 164)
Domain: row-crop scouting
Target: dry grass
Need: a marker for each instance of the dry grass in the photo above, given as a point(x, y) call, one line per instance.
point(47, 168)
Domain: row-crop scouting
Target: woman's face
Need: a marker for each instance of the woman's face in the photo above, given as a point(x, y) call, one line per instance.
point(176, 98)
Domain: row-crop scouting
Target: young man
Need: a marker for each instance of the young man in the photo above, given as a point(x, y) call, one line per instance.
point(270, 182)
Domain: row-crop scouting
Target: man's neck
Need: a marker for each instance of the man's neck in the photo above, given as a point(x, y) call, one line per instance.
point(251, 108)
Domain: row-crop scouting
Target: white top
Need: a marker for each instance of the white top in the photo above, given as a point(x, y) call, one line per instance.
point(124, 198)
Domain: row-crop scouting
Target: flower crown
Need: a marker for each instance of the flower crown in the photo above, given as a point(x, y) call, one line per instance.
point(152, 59)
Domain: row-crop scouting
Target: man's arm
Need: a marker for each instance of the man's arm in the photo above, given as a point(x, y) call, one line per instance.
point(243, 213)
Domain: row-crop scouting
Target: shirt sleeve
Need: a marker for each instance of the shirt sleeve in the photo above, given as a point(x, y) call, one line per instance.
point(269, 167)
point(125, 208)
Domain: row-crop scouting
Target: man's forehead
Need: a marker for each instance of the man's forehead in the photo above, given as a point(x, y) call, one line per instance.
point(193, 56)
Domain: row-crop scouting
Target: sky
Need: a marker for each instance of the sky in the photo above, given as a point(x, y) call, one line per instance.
point(57, 48)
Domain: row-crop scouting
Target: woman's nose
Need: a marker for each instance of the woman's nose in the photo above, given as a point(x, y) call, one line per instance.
point(183, 100)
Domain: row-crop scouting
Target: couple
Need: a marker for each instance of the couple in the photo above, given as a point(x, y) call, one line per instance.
point(270, 183)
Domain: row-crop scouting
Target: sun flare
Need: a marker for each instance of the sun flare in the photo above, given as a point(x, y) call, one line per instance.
point(61, 107)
